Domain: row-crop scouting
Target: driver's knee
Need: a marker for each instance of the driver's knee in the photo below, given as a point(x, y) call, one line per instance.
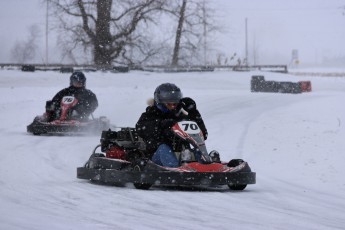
point(165, 156)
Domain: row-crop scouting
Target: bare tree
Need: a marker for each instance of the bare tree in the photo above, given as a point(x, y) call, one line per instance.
point(194, 24)
point(181, 19)
point(24, 51)
point(107, 27)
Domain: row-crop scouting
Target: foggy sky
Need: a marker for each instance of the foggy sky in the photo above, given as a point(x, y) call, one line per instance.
point(315, 28)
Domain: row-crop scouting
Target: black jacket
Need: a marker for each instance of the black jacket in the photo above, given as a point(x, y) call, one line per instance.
point(149, 125)
point(87, 100)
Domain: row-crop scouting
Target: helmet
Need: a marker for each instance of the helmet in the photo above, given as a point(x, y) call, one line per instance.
point(78, 77)
point(166, 93)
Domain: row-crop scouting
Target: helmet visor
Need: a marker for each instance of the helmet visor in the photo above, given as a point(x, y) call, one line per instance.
point(170, 97)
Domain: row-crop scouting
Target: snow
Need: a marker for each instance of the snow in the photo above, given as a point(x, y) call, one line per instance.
point(294, 142)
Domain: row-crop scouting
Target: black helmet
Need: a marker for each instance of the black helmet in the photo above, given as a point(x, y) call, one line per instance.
point(78, 77)
point(166, 93)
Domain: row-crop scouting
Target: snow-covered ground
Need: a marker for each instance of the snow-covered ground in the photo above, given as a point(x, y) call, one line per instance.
point(295, 144)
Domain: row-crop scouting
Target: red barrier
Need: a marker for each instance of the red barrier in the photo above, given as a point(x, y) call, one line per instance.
point(305, 86)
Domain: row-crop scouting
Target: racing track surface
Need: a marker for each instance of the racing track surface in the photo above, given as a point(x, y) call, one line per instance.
point(293, 142)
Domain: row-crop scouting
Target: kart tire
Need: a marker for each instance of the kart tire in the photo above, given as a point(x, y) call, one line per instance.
point(235, 162)
point(142, 186)
point(237, 187)
point(38, 133)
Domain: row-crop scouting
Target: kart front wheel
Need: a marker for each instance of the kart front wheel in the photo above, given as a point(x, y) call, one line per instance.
point(237, 187)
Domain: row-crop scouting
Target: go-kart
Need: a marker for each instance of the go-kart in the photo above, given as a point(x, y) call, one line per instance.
point(67, 122)
point(123, 159)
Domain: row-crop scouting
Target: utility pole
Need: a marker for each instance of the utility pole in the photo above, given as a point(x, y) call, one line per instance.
point(47, 52)
point(246, 25)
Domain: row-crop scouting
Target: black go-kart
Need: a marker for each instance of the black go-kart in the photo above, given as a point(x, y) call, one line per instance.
point(67, 123)
point(122, 160)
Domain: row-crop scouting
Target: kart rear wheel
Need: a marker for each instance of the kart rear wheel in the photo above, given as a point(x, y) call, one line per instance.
point(143, 186)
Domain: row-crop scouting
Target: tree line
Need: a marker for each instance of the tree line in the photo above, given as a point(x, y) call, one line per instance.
point(130, 32)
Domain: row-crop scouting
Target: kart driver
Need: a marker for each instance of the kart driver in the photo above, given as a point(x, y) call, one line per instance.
point(155, 123)
point(87, 100)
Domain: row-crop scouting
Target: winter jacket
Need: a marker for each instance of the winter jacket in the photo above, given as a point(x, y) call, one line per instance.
point(150, 124)
point(87, 100)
